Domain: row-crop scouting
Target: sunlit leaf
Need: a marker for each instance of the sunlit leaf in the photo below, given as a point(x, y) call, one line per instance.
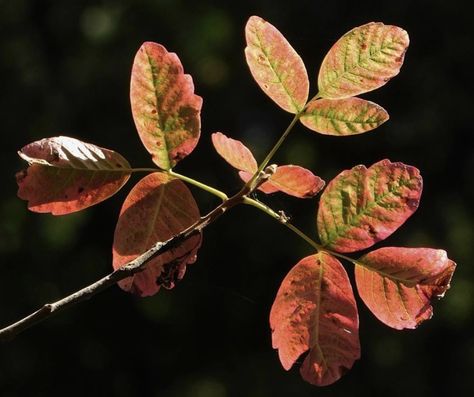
point(348, 116)
point(234, 152)
point(397, 284)
point(275, 65)
point(295, 181)
point(165, 109)
point(362, 60)
point(362, 206)
point(66, 175)
point(315, 311)
point(156, 209)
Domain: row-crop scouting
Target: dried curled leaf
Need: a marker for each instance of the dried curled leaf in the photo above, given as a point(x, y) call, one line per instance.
point(315, 311)
point(362, 60)
point(362, 206)
point(398, 284)
point(66, 175)
point(348, 116)
point(165, 109)
point(275, 65)
point(156, 209)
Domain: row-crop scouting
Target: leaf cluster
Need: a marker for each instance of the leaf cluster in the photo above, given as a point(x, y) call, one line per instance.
point(314, 312)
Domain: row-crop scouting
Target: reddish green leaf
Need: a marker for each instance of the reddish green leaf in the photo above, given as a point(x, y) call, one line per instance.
point(398, 284)
point(165, 109)
point(348, 116)
point(66, 175)
point(156, 209)
point(275, 65)
point(362, 206)
point(290, 179)
point(315, 311)
point(362, 60)
point(295, 181)
point(234, 152)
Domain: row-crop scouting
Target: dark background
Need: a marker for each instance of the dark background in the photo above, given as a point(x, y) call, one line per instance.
point(65, 68)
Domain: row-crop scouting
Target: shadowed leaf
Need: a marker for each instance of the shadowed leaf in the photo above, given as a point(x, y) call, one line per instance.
point(315, 311)
point(362, 206)
point(165, 109)
point(397, 284)
point(275, 65)
point(348, 116)
point(156, 209)
point(66, 175)
point(234, 152)
point(362, 60)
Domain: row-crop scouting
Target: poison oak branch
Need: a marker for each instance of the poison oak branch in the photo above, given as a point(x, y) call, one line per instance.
point(133, 267)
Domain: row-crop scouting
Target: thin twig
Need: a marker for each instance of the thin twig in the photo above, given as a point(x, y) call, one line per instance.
point(131, 268)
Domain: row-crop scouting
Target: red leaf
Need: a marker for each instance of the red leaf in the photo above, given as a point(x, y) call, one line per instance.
point(363, 206)
point(156, 209)
point(234, 152)
point(339, 117)
point(362, 60)
point(275, 65)
point(165, 109)
point(66, 175)
point(315, 310)
point(397, 284)
point(295, 181)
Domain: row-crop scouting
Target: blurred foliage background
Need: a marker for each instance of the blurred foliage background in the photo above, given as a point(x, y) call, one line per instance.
point(64, 68)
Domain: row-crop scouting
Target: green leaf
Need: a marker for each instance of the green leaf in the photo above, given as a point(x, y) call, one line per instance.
point(165, 109)
point(275, 65)
point(362, 60)
point(348, 116)
point(362, 206)
point(67, 175)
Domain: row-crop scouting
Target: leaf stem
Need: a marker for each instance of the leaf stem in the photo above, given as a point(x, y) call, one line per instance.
point(284, 221)
point(278, 144)
point(200, 185)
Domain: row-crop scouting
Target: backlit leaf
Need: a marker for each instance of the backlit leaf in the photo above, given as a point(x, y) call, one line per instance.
point(362, 60)
point(234, 152)
point(165, 109)
point(275, 65)
point(290, 179)
point(156, 209)
point(348, 116)
point(362, 206)
point(397, 284)
point(315, 311)
point(295, 181)
point(66, 175)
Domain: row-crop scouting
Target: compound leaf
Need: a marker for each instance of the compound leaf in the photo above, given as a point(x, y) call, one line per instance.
point(275, 65)
point(315, 311)
point(362, 60)
point(234, 152)
point(362, 206)
point(397, 284)
point(348, 116)
point(66, 175)
point(165, 109)
point(156, 209)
